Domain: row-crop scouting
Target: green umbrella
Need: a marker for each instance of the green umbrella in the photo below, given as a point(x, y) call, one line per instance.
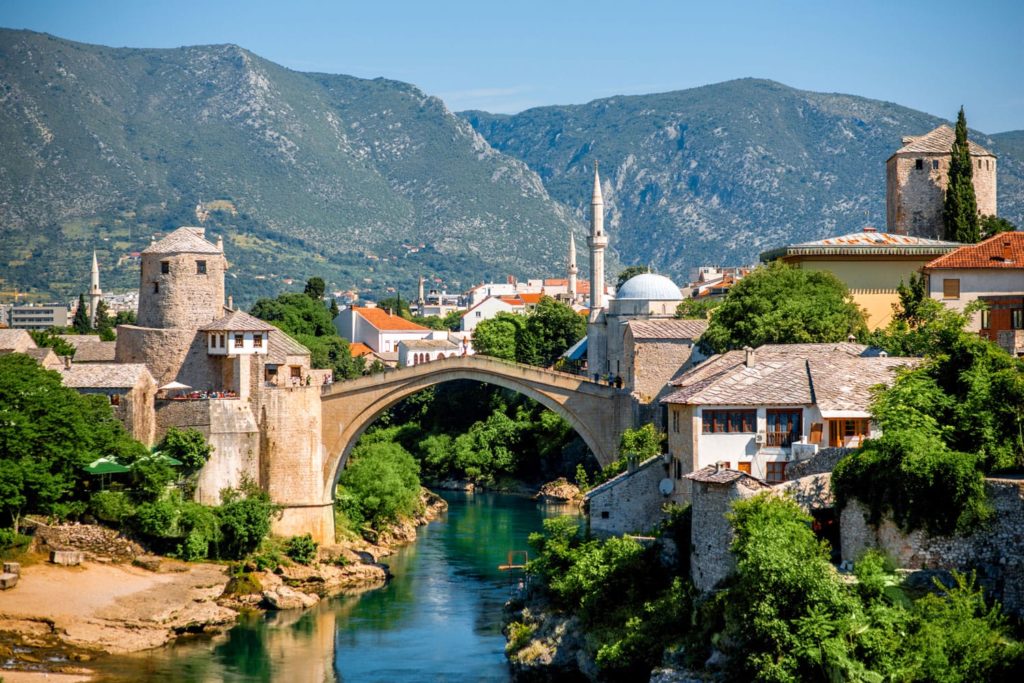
point(106, 466)
point(163, 457)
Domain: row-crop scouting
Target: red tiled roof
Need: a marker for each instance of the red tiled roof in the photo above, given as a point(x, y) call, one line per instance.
point(1005, 250)
point(384, 321)
point(359, 349)
point(531, 299)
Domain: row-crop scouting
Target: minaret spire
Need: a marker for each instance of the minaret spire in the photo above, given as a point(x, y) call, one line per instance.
point(573, 270)
point(597, 241)
point(95, 293)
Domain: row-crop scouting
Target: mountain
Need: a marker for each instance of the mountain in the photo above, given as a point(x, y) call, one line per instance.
point(716, 174)
point(369, 183)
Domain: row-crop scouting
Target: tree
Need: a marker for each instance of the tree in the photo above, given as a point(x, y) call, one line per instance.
point(629, 272)
point(81, 321)
point(779, 304)
point(993, 225)
point(334, 310)
point(332, 352)
point(187, 445)
point(315, 288)
point(104, 324)
point(50, 339)
point(643, 442)
point(124, 318)
point(960, 213)
point(396, 306)
point(380, 484)
point(697, 309)
point(497, 337)
point(295, 314)
point(551, 328)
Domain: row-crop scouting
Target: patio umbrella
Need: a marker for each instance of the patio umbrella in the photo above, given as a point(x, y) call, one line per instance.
point(174, 386)
point(106, 466)
point(163, 457)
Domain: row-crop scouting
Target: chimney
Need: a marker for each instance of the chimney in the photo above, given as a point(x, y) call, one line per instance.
point(718, 466)
point(220, 243)
point(67, 362)
point(870, 228)
point(851, 338)
point(749, 357)
point(231, 302)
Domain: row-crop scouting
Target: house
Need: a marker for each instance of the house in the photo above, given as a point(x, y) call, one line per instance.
point(95, 352)
point(991, 271)
point(656, 351)
point(870, 263)
point(129, 387)
point(441, 344)
point(378, 329)
point(757, 410)
point(489, 308)
point(15, 341)
point(38, 316)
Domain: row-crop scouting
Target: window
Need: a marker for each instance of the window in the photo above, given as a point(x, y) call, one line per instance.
point(848, 432)
point(296, 371)
point(919, 164)
point(743, 467)
point(257, 341)
point(239, 341)
point(951, 288)
point(784, 427)
point(986, 319)
point(479, 314)
point(115, 399)
point(1017, 318)
point(221, 338)
point(165, 267)
point(675, 421)
point(935, 164)
point(156, 287)
point(729, 421)
point(604, 514)
point(200, 267)
point(774, 472)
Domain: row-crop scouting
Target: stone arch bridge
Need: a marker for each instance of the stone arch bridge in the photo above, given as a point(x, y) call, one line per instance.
point(597, 412)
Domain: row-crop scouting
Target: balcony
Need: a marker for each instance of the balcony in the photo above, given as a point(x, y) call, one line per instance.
point(780, 439)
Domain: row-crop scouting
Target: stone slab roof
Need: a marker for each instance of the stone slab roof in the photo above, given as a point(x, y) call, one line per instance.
point(621, 477)
point(938, 141)
point(667, 328)
point(76, 339)
point(430, 344)
point(45, 357)
point(187, 240)
point(15, 340)
point(280, 346)
point(238, 321)
point(106, 375)
point(95, 352)
point(868, 242)
point(725, 477)
point(835, 377)
point(999, 252)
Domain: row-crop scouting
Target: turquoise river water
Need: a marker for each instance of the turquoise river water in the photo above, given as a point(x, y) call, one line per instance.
point(439, 619)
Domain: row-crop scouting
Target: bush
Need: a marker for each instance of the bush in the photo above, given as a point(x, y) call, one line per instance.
point(187, 445)
point(244, 520)
point(113, 507)
point(380, 485)
point(151, 477)
point(519, 634)
point(302, 549)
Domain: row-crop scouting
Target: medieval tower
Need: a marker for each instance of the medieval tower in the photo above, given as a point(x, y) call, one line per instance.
point(916, 176)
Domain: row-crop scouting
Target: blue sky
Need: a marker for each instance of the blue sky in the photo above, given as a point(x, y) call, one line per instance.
point(509, 56)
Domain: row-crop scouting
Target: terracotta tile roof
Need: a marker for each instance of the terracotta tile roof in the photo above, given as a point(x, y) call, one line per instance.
point(105, 375)
point(938, 141)
point(359, 349)
point(531, 298)
point(386, 322)
point(1005, 250)
point(238, 321)
point(183, 240)
point(95, 352)
point(835, 377)
point(667, 328)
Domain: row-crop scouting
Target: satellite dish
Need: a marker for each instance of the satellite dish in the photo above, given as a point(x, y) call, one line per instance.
point(666, 486)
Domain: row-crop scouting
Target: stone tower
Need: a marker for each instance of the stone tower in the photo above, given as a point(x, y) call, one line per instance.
point(573, 270)
point(95, 293)
point(916, 176)
point(182, 282)
point(597, 241)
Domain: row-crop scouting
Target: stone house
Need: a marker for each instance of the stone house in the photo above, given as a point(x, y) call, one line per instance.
point(991, 271)
point(95, 352)
point(632, 501)
point(756, 411)
point(870, 263)
point(15, 341)
point(656, 351)
point(916, 176)
point(129, 387)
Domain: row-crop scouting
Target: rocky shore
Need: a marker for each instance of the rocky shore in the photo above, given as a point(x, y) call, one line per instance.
point(122, 600)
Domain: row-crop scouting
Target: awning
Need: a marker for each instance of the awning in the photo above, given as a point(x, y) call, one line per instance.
point(577, 351)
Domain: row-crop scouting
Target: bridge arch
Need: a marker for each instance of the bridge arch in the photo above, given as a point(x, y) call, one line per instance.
point(598, 413)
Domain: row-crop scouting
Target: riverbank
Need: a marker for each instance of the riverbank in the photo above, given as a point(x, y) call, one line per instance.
point(556, 491)
point(60, 618)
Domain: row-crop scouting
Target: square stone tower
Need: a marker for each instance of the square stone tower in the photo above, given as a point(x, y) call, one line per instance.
point(916, 178)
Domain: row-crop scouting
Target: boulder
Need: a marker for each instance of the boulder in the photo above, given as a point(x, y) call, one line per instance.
point(12, 568)
point(67, 558)
point(283, 597)
point(8, 581)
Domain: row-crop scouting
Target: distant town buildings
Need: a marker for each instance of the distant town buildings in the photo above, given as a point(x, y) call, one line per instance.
point(38, 316)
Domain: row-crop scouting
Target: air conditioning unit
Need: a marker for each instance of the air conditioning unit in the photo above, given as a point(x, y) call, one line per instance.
point(760, 437)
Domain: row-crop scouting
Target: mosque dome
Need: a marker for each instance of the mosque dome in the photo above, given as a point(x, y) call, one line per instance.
point(649, 287)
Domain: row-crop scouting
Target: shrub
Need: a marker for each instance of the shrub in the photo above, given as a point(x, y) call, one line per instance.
point(111, 506)
point(244, 520)
point(519, 634)
point(302, 549)
point(157, 518)
point(150, 478)
point(187, 445)
point(380, 485)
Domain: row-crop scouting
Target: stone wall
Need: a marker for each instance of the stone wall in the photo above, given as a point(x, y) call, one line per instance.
point(182, 297)
point(183, 415)
point(235, 438)
point(95, 541)
point(825, 460)
point(654, 364)
point(914, 198)
point(630, 502)
point(710, 535)
point(995, 552)
point(170, 354)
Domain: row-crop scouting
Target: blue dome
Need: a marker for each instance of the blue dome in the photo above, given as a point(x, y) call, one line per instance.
point(649, 287)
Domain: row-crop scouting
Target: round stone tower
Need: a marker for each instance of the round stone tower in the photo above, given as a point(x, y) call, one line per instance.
point(182, 282)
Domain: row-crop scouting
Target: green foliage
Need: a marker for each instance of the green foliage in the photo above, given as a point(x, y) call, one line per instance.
point(630, 272)
point(81, 321)
point(104, 323)
point(779, 304)
point(245, 517)
point(48, 339)
point(151, 477)
point(187, 445)
point(643, 442)
point(960, 212)
point(243, 583)
point(380, 485)
point(519, 634)
point(296, 314)
point(315, 288)
point(302, 549)
point(993, 225)
point(697, 309)
point(538, 338)
point(124, 318)
point(332, 352)
point(48, 434)
point(112, 507)
point(396, 305)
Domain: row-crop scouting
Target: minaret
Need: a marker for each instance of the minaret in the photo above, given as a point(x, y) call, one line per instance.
point(421, 300)
point(598, 240)
point(95, 293)
point(573, 270)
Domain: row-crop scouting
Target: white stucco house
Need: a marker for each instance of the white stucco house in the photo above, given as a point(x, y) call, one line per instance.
point(378, 329)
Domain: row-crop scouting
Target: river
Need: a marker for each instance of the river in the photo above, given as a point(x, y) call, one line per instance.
point(439, 619)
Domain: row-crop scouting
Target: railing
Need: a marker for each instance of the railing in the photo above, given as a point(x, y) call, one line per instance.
point(779, 439)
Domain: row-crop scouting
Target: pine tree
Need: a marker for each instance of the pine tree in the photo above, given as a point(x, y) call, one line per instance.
point(334, 309)
point(104, 323)
point(960, 214)
point(81, 322)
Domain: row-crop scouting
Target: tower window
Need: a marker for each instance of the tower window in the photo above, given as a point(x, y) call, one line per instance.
point(200, 267)
point(919, 164)
point(935, 164)
point(165, 267)
point(156, 287)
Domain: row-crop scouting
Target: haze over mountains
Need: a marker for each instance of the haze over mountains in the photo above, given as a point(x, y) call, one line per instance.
point(371, 182)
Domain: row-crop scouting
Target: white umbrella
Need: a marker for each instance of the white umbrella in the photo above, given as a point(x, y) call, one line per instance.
point(172, 386)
